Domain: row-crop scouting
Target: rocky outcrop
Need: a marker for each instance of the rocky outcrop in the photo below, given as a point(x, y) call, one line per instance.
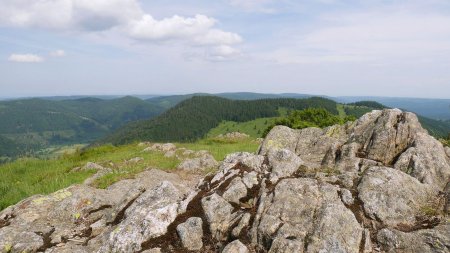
point(380, 184)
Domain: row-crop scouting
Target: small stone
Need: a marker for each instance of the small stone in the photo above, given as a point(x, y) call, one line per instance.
point(235, 191)
point(235, 247)
point(250, 179)
point(347, 197)
point(191, 233)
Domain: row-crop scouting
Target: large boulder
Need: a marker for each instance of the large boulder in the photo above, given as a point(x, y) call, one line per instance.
point(393, 197)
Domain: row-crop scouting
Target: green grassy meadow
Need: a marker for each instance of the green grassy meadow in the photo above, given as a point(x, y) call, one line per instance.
point(29, 176)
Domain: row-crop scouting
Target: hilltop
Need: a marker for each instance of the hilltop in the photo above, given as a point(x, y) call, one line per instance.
point(378, 184)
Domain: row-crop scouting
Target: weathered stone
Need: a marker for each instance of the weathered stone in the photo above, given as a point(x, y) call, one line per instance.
point(304, 208)
point(280, 137)
point(244, 222)
point(235, 191)
point(284, 163)
point(347, 197)
point(206, 161)
point(250, 179)
point(219, 214)
point(17, 241)
point(235, 247)
point(135, 160)
point(392, 196)
point(191, 233)
point(147, 217)
point(426, 160)
point(435, 240)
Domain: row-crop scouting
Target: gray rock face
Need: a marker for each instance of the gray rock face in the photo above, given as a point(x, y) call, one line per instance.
point(284, 163)
point(220, 215)
point(280, 137)
point(235, 191)
point(305, 214)
point(380, 184)
point(191, 233)
point(148, 217)
point(392, 196)
point(427, 240)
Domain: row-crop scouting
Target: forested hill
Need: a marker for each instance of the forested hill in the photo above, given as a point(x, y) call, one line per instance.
point(193, 118)
point(30, 124)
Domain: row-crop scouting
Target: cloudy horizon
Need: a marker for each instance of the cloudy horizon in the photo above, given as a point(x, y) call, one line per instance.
point(325, 47)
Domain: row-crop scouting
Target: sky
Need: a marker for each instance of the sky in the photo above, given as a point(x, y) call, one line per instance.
point(395, 48)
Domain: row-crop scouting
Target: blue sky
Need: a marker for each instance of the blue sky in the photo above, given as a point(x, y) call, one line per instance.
point(329, 47)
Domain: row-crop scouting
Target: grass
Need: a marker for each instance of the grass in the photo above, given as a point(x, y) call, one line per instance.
point(254, 128)
point(29, 176)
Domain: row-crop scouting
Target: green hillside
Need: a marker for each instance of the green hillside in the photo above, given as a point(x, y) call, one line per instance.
point(202, 116)
point(192, 119)
point(30, 124)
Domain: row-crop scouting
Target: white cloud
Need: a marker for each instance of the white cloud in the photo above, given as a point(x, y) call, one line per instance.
point(222, 53)
point(370, 37)
point(58, 53)
point(124, 18)
point(25, 58)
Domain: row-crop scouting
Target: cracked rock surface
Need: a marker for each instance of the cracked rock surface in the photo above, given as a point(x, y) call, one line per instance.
point(380, 184)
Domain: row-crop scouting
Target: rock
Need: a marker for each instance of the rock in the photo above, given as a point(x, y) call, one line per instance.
point(235, 191)
point(170, 153)
point(447, 199)
point(100, 173)
point(447, 151)
point(233, 136)
point(256, 162)
point(314, 143)
point(284, 163)
point(135, 160)
point(147, 217)
point(161, 147)
point(250, 179)
point(191, 233)
point(347, 197)
point(428, 240)
point(12, 240)
point(392, 196)
point(206, 161)
point(426, 160)
point(154, 250)
point(304, 209)
point(280, 137)
point(219, 214)
point(244, 222)
point(144, 144)
point(235, 247)
point(92, 166)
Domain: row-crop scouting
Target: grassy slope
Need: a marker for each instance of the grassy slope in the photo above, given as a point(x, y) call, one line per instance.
point(27, 177)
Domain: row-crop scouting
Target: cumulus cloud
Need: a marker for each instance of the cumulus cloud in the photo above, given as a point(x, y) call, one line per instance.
point(124, 17)
point(58, 53)
point(25, 58)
